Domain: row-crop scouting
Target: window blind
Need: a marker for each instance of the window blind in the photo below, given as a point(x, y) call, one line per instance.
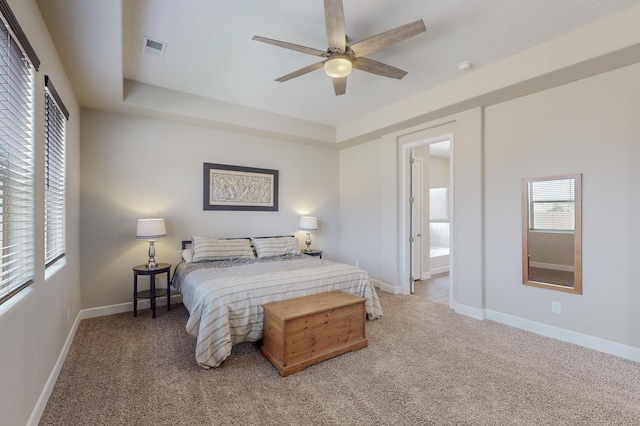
point(552, 205)
point(54, 174)
point(16, 158)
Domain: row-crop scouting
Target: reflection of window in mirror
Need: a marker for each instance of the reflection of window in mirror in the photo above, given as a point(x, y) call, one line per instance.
point(552, 232)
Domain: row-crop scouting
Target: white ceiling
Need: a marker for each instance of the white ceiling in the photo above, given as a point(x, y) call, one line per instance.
point(210, 52)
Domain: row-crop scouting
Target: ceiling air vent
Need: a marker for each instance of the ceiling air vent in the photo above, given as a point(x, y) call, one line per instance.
point(153, 47)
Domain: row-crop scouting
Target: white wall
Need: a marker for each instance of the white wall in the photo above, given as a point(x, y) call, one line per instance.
point(590, 127)
point(34, 324)
point(438, 172)
point(135, 167)
point(367, 221)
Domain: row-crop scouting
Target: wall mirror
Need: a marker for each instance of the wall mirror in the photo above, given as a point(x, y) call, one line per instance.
point(552, 232)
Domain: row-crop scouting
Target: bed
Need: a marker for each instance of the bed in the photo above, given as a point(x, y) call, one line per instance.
point(225, 282)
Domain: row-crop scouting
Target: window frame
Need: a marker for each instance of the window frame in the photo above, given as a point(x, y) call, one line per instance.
point(56, 115)
point(546, 197)
point(19, 64)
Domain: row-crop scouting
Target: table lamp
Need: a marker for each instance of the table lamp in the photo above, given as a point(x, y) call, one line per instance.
point(151, 230)
point(308, 223)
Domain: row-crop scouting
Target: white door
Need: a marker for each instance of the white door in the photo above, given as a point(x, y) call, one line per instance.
point(416, 217)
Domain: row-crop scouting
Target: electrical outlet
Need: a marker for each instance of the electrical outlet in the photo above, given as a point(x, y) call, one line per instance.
point(357, 263)
point(68, 314)
point(556, 307)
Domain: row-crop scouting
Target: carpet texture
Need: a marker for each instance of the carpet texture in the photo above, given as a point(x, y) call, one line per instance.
point(551, 276)
point(424, 366)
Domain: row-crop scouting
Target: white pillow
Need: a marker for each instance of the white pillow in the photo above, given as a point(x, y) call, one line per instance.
point(276, 246)
point(206, 249)
point(187, 255)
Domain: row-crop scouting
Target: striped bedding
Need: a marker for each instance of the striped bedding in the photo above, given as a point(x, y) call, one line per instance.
point(224, 299)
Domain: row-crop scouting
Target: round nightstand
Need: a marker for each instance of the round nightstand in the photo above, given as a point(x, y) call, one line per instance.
point(152, 293)
point(312, 253)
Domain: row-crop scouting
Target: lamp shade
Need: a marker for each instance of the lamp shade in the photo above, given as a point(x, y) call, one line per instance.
point(151, 229)
point(308, 223)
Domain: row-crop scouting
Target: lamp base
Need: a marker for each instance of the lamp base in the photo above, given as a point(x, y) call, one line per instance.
point(151, 264)
point(308, 241)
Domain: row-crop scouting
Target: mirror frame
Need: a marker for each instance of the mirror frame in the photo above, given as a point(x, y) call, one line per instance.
point(577, 236)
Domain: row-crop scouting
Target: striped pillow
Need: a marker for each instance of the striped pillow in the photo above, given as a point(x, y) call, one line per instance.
point(276, 246)
point(207, 249)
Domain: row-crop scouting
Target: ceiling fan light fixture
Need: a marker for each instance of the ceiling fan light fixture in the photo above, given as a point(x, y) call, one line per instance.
point(338, 66)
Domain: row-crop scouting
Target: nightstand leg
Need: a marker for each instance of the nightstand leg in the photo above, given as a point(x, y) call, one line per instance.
point(135, 295)
point(168, 291)
point(152, 290)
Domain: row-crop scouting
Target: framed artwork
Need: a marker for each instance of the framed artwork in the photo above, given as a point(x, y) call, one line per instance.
point(227, 187)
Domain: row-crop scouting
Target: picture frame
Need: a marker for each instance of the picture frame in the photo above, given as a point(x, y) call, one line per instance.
point(229, 187)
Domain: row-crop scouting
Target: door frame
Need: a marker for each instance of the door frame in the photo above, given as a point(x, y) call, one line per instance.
point(405, 211)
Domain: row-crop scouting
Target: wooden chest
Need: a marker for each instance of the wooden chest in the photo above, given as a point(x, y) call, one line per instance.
point(305, 330)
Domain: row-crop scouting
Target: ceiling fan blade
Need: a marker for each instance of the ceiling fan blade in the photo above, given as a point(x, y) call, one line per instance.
point(300, 72)
point(334, 18)
point(375, 67)
point(387, 38)
point(286, 45)
point(340, 85)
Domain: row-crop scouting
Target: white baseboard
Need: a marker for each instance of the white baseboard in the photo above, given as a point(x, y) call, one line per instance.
point(584, 340)
point(110, 310)
point(126, 307)
point(434, 271)
point(469, 311)
point(440, 270)
point(384, 286)
point(591, 342)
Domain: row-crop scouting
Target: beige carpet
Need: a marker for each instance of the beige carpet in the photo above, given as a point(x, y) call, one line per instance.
point(424, 366)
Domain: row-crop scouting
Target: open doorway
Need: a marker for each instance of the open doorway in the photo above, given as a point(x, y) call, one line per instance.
point(428, 226)
point(431, 201)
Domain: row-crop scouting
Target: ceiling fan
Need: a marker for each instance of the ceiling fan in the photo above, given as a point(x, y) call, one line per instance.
point(340, 57)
